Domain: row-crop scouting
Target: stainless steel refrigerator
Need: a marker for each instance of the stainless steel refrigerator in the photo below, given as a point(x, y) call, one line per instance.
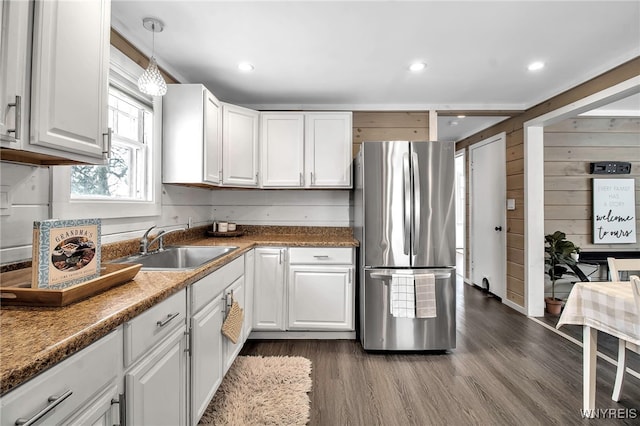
point(404, 218)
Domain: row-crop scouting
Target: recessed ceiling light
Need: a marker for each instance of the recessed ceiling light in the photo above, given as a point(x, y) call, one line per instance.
point(417, 66)
point(461, 116)
point(453, 123)
point(535, 66)
point(246, 66)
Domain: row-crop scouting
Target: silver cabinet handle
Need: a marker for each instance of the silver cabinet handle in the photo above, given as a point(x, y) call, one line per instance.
point(301, 179)
point(18, 117)
point(122, 408)
point(166, 321)
point(107, 150)
point(350, 273)
point(54, 401)
point(313, 180)
point(280, 257)
point(257, 180)
point(321, 256)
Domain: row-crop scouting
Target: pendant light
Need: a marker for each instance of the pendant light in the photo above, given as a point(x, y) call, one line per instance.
point(151, 81)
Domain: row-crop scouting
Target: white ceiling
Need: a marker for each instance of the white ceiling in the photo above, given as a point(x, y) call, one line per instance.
point(354, 54)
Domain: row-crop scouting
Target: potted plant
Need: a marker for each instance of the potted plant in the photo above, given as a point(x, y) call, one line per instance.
point(558, 252)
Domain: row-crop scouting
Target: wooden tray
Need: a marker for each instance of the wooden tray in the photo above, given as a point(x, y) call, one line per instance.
point(15, 286)
point(236, 233)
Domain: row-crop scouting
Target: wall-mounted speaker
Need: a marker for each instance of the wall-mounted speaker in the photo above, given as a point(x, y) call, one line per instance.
point(610, 168)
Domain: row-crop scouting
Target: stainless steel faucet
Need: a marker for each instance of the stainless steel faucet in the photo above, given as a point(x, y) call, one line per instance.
point(145, 243)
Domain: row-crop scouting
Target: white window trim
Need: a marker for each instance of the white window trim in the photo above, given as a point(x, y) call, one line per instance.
point(123, 74)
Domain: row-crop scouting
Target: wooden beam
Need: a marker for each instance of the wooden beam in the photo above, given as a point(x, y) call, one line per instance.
point(125, 46)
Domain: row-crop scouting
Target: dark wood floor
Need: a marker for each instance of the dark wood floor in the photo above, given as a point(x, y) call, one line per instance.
point(506, 370)
point(607, 344)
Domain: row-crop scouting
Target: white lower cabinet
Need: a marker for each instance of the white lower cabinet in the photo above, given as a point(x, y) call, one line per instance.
point(78, 390)
point(315, 294)
point(156, 361)
point(211, 352)
point(268, 305)
point(320, 297)
point(231, 350)
point(140, 373)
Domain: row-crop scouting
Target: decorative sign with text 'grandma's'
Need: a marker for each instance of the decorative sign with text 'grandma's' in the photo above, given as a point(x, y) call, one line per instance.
point(65, 252)
point(614, 211)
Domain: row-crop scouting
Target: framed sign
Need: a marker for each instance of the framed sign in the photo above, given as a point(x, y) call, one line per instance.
point(614, 211)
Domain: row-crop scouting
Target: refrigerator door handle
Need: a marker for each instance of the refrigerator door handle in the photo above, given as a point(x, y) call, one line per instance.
point(381, 276)
point(406, 207)
point(416, 201)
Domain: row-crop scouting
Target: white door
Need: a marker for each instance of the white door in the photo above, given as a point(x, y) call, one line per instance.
point(320, 298)
point(282, 149)
point(230, 349)
point(268, 301)
point(70, 71)
point(156, 387)
point(239, 145)
point(206, 356)
point(328, 149)
point(488, 215)
point(212, 139)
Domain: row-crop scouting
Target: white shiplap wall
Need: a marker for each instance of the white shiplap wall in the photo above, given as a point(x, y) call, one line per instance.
point(28, 192)
point(283, 207)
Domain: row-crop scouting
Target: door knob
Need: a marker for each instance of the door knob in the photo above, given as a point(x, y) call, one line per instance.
point(498, 228)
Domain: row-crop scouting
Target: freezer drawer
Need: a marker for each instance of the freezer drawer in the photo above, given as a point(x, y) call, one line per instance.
point(379, 330)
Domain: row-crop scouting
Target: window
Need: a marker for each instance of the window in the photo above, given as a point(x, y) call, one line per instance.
point(129, 184)
point(126, 175)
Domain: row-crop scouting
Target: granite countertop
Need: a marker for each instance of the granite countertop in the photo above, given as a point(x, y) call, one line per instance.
point(34, 339)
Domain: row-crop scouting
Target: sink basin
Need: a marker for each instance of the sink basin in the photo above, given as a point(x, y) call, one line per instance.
point(177, 257)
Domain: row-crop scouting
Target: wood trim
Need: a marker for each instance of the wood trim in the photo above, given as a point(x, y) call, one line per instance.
point(608, 79)
point(481, 113)
point(131, 51)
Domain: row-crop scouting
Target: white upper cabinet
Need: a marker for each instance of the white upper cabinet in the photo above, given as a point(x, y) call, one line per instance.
point(239, 146)
point(192, 136)
point(306, 150)
point(282, 150)
point(69, 63)
point(328, 145)
point(14, 65)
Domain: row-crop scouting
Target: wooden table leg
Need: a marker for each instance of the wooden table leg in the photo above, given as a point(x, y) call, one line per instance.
point(590, 346)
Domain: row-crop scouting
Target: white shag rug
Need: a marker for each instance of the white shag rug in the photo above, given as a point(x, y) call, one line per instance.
point(262, 391)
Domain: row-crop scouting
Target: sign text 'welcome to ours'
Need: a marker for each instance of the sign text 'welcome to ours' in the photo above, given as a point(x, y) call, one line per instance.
point(614, 211)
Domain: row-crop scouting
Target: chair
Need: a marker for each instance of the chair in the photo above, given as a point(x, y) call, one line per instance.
point(615, 267)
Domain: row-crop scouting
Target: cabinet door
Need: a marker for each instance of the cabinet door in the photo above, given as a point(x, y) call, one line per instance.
point(328, 142)
point(249, 277)
point(14, 63)
point(212, 143)
point(239, 146)
point(320, 298)
point(282, 149)
point(231, 350)
point(102, 411)
point(268, 301)
point(70, 72)
point(156, 386)
point(206, 356)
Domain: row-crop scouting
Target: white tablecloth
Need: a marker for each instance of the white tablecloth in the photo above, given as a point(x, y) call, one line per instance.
point(606, 306)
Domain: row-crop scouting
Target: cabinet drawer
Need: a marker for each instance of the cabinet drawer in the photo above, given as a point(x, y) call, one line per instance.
point(321, 255)
point(146, 330)
point(81, 376)
point(213, 284)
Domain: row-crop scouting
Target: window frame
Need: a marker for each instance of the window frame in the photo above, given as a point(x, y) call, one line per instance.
point(123, 74)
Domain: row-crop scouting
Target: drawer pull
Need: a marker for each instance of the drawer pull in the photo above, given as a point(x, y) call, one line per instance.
point(321, 256)
point(54, 401)
point(168, 319)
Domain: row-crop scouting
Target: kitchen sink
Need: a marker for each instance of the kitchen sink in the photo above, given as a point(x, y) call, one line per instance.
point(177, 258)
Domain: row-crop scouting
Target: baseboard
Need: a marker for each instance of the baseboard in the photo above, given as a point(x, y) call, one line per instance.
point(306, 335)
point(514, 306)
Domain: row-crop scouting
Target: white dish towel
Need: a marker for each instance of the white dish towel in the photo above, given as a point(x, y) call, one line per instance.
point(426, 296)
point(403, 299)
